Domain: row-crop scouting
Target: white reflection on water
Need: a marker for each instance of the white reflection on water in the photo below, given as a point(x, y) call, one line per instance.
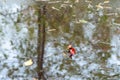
point(88, 30)
point(116, 50)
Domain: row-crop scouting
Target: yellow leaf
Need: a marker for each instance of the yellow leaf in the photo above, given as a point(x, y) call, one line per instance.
point(82, 21)
point(99, 6)
point(55, 8)
point(51, 29)
point(28, 63)
point(106, 1)
point(35, 79)
point(76, 1)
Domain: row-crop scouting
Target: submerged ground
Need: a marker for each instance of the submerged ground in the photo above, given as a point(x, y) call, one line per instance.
point(91, 27)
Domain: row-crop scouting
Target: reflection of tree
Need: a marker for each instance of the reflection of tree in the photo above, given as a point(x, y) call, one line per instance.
point(102, 35)
point(102, 32)
point(41, 42)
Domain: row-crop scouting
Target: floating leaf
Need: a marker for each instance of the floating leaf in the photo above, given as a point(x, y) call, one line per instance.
point(34, 79)
point(76, 1)
point(28, 63)
point(107, 7)
point(52, 30)
point(99, 6)
point(117, 24)
point(81, 21)
point(55, 8)
point(64, 54)
point(106, 1)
